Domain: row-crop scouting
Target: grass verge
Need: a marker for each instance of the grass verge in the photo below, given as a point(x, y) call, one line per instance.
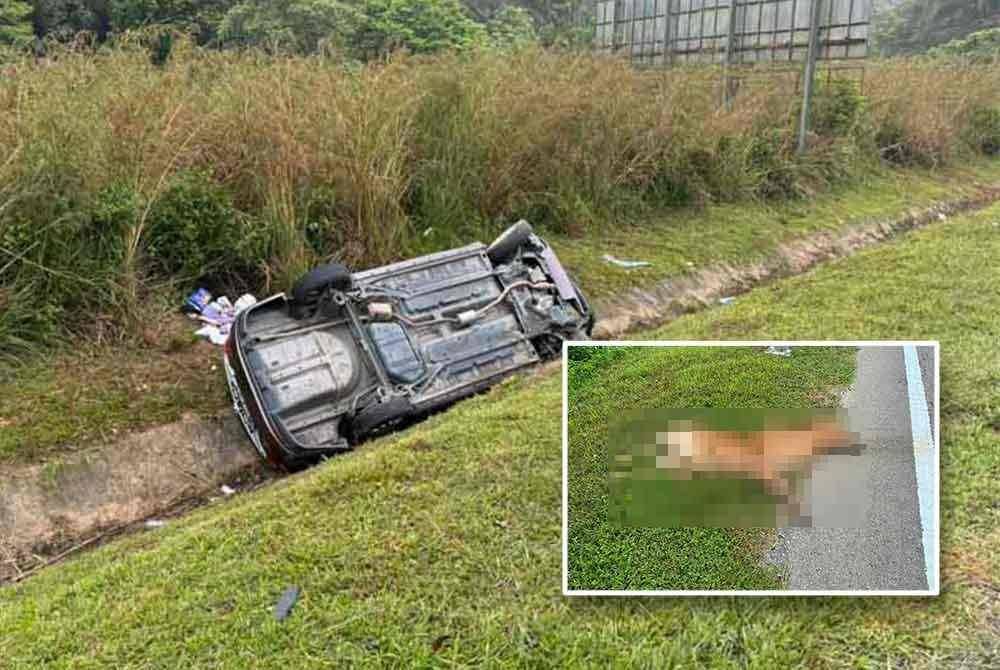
point(441, 545)
point(603, 554)
point(77, 397)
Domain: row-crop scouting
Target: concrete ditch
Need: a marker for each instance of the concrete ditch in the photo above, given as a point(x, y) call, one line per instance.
point(49, 511)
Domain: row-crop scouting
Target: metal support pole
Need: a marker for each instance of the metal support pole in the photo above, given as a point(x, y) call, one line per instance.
point(668, 52)
point(726, 84)
point(810, 73)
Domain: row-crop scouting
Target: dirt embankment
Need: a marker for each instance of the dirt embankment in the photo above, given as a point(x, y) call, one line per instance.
point(51, 510)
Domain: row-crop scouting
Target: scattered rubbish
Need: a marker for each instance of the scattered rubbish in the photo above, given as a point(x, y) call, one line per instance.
point(217, 314)
point(626, 264)
point(286, 602)
point(213, 334)
point(244, 301)
point(690, 264)
point(227, 490)
point(197, 301)
point(155, 523)
point(727, 300)
point(779, 351)
point(942, 217)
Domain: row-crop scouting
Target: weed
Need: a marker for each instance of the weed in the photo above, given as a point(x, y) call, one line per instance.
point(120, 171)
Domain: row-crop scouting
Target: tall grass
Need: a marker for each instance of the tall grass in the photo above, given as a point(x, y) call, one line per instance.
point(245, 169)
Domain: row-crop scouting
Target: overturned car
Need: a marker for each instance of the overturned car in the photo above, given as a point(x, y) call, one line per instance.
point(347, 355)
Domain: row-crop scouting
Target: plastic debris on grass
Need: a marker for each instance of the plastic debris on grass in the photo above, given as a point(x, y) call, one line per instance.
point(779, 351)
point(217, 314)
point(629, 265)
point(727, 300)
point(286, 602)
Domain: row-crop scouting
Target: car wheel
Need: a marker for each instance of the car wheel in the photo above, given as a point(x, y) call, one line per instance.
point(506, 245)
point(308, 289)
point(374, 416)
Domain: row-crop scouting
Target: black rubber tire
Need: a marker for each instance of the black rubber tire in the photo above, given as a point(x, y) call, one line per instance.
point(508, 242)
point(373, 416)
point(310, 286)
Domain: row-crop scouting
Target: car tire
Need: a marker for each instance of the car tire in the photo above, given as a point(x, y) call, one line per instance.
point(508, 242)
point(374, 416)
point(309, 288)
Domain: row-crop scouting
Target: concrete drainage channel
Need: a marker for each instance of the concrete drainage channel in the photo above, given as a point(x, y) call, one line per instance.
point(52, 510)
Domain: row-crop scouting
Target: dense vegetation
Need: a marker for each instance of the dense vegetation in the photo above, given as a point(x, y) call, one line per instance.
point(913, 26)
point(358, 28)
point(122, 176)
point(982, 45)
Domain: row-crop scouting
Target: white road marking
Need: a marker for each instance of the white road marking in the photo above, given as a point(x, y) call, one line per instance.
point(923, 457)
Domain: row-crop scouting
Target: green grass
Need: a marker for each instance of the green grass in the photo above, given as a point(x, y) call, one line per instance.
point(55, 404)
point(442, 545)
point(604, 555)
point(683, 240)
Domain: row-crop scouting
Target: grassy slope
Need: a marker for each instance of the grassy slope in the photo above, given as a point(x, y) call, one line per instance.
point(742, 233)
point(603, 555)
point(54, 405)
point(442, 544)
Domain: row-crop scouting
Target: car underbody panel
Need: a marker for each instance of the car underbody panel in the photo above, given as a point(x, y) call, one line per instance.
point(417, 334)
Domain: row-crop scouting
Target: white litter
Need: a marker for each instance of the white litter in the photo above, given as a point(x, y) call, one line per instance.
point(626, 264)
point(217, 315)
point(213, 334)
point(227, 490)
point(779, 351)
point(727, 300)
point(155, 523)
point(244, 301)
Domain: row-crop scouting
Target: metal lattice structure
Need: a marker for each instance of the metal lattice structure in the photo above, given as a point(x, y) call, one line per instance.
point(733, 31)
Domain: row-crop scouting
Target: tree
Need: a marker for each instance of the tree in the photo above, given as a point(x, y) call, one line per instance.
point(61, 18)
point(912, 26)
point(512, 27)
point(201, 17)
point(420, 26)
point(297, 25)
point(15, 22)
point(364, 29)
point(981, 45)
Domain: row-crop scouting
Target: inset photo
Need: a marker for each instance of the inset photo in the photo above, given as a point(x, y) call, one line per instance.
point(750, 468)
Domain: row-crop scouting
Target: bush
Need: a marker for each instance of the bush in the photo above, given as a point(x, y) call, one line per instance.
point(838, 108)
point(512, 27)
point(982, 45)
point(194, 231)
point(983, 131)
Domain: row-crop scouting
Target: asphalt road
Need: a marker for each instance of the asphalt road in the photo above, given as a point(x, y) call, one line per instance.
point(866, 531)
